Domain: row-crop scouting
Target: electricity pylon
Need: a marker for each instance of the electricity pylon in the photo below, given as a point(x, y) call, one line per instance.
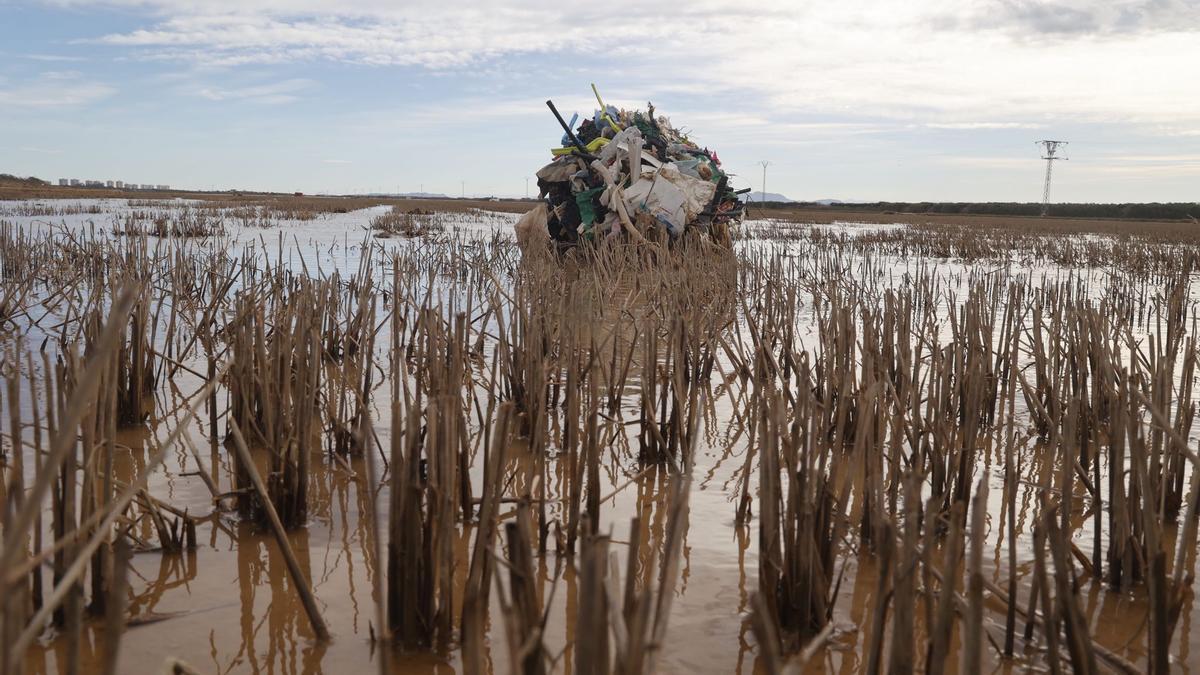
point(762, 198)
point(1051, 148)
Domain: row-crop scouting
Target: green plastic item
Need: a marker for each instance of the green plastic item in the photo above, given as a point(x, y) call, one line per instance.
point(647, 127)
point(587, 207)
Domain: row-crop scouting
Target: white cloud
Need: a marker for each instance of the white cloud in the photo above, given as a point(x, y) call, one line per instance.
point(54, 89)
point(1163, 166)
point(942, 62)
point(282, 91)
point(1167, 169)
point(1073, 17)
point(1158, 159)
point(53, 58)
point(440, 39)
point(975, 126)
point(983, 162)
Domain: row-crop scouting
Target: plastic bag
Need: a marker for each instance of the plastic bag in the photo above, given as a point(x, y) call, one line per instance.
point(670, 197)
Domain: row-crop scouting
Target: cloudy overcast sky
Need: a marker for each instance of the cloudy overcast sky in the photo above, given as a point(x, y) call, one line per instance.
point(872, 99)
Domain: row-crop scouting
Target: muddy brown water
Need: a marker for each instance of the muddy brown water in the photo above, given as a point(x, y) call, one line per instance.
point(229, 606)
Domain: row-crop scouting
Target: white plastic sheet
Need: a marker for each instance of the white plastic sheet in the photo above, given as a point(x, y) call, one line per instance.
point(670, 197)
point(531, 228)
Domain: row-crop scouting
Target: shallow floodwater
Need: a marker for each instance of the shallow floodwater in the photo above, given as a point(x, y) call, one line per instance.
point(228, 606)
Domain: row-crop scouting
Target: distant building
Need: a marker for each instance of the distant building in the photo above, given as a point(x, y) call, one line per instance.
point(94, 184)
point(63, 182)
point(108, 183)
point(74, 182)
point(119, 184)
point(147, 186)
point(162, 187)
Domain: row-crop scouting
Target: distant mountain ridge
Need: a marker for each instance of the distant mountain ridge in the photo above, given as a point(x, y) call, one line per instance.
point(758, 196)
point(410, 195)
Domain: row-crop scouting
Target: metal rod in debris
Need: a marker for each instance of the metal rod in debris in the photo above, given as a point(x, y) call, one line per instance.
point(570, 134)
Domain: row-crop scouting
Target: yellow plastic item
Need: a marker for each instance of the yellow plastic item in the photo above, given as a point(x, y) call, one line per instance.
point(595, 145)
point(604, 110)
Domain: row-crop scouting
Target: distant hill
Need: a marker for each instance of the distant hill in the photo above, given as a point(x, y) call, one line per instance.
point(757, 196)
point(409, 195)
point(1185, 211)
point(7, 179)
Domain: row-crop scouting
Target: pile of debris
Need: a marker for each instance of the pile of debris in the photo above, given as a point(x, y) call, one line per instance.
point(624, 173)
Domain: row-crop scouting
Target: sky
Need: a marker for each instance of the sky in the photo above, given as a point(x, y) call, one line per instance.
point(939, 100)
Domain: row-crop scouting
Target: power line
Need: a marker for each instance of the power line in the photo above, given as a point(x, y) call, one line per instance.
point(1051, 150)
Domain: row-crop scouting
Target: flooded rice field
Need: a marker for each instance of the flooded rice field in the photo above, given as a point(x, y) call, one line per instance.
point(300, 438)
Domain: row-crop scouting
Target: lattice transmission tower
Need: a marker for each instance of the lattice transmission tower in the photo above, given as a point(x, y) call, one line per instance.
point(762, 197)
point(1050, 148)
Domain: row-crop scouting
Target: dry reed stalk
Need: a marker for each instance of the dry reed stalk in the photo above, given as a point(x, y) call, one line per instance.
point(429, 446)
point(635, 617)
point(1144, 466)
point(22, 507)
point(276, 380)
point(766, 635)
point(523, 618)
point(592, 617)
point(904, 583)
point(479, 577)
point(939, 644)
point(1011, 474)
point(884, 548)
point(1079, 644)
point(293, 565)
point(114, 620)
point(799, 530)
point(910, 376)
point(1051, 617)
point(576, 375)
point(36, 586)
point(376, 552)
point(972, 654)
point(350, 343)
point(17, 601)
point(97, 527)
point(410, 596)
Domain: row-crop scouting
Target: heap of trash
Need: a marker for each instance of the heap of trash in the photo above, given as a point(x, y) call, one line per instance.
point(630, 174)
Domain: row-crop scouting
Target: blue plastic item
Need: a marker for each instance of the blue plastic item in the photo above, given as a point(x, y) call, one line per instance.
point(598, 118)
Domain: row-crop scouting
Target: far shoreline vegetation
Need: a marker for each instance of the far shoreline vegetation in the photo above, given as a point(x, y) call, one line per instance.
point(1188, 211)
point(31, 187)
